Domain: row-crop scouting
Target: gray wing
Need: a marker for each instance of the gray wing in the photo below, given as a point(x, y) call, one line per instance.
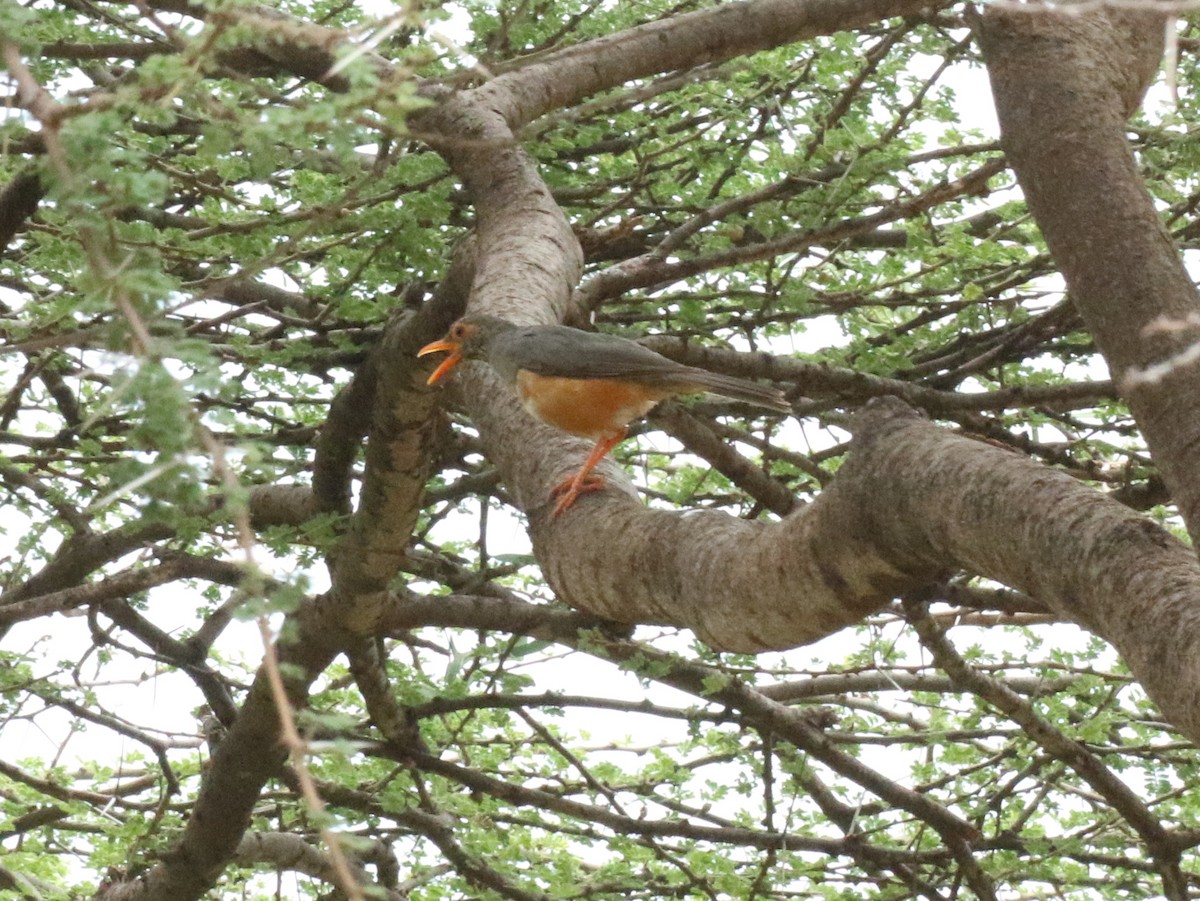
point(570, 353)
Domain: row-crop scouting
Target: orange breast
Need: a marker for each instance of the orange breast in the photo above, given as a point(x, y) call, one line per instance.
point(590, 408)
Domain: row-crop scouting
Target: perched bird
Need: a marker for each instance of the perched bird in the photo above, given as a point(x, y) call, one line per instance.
point(591, 385)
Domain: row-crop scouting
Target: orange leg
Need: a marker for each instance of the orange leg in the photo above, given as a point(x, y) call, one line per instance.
point(583, 481)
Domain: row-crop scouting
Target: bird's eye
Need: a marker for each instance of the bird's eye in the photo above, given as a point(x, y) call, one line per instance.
point(458, 331)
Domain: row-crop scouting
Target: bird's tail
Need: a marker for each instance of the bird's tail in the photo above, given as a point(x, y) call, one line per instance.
point(740, 389)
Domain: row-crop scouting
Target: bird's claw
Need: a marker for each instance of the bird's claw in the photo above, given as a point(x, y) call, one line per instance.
point(569, 489)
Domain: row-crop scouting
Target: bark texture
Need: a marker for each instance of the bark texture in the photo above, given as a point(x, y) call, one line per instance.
point(1065, 81)
point(912, 503)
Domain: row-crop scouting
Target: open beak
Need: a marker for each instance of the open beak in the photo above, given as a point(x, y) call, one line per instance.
point(445, 346)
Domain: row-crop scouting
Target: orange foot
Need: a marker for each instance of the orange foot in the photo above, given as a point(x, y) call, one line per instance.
point(583, 481)
point(567, 490)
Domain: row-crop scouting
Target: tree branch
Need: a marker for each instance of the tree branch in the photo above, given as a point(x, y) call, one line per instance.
point(1088, 68)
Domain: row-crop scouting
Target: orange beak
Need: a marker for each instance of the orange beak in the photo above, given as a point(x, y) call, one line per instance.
point(445, 346)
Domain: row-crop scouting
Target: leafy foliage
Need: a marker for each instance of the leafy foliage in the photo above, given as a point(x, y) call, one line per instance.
point(836, 201)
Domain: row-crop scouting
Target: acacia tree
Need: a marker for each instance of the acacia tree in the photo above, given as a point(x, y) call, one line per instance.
point(227, 229)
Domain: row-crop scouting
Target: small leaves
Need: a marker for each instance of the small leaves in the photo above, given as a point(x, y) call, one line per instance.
point(241, 206)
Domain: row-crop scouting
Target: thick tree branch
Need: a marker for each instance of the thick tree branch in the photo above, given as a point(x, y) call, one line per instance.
point(912, 503)
point(398, 455)
point(248, 755)
point(402, 421)
point(1065, 81)
point(564, 78)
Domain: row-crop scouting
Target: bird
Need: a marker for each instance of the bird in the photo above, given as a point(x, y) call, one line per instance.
point(589, 384)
